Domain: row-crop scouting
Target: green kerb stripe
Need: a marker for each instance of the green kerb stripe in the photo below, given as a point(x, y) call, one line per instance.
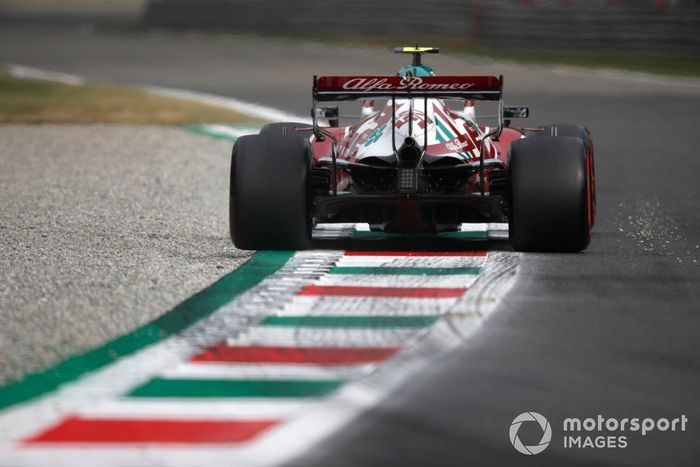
point(199, 306)
point(408, 271)
point(161, 387)
point(376, 322)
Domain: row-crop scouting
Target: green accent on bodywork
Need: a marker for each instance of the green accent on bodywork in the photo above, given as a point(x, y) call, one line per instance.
point(444, 128)
point(376, 134)
point(439, 136)
point(410, 271)
point(195, 308)
point(369, 322)
point(224, 388)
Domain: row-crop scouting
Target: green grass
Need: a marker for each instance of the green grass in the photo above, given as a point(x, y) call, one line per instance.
point(39, 101)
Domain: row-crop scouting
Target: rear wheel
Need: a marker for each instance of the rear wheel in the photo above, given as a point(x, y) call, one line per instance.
point(269, 190)
point(549, 192)
point(578, 131)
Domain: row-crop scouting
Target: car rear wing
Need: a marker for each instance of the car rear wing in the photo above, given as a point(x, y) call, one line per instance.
point(341, 88)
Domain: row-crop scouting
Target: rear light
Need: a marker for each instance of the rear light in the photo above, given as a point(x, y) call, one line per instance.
point(408, 180)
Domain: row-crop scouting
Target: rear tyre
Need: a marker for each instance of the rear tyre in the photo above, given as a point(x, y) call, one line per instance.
point(578, 131)
point(549, 189)
point(269, 205)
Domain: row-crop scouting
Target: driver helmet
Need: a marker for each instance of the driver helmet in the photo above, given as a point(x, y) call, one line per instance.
point(416, 70)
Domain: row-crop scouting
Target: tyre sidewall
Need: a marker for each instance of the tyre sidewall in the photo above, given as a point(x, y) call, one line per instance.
point(269, 194)
point(549, 194)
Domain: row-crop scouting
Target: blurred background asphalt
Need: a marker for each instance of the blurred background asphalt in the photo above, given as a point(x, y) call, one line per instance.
point(611, 331)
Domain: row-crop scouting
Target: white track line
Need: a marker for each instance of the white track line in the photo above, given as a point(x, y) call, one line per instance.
point(237, 105)
point(230, 131)
point(243, 107)
point(25, 72)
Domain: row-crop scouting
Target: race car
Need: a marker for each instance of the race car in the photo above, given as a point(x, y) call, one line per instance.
point(420, 162)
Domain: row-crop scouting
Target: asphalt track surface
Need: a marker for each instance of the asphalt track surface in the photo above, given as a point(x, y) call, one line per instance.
point(612, 331)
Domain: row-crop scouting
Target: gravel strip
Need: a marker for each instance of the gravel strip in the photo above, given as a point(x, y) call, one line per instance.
point(102, 229)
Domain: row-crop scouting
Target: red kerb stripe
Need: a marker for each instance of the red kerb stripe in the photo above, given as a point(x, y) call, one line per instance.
point(399, 292)
point(311, 355)
point(415, 253)
point(103, 430)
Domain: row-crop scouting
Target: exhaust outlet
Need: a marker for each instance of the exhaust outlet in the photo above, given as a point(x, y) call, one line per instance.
point(409, 153)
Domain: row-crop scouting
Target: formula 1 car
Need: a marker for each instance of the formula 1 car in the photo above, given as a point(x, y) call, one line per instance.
point(414, 165)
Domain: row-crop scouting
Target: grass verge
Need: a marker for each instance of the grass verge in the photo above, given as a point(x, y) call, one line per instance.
point(39, 101)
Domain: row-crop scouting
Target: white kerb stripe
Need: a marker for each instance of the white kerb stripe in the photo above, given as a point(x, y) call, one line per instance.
point(189, 408)
point(223, 370)
point(318, 305)
point(412, 261)
point(406, 281)
point(325, 337)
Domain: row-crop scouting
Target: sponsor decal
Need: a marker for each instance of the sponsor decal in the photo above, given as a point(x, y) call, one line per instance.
point(410, 83)
point(457, 145)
